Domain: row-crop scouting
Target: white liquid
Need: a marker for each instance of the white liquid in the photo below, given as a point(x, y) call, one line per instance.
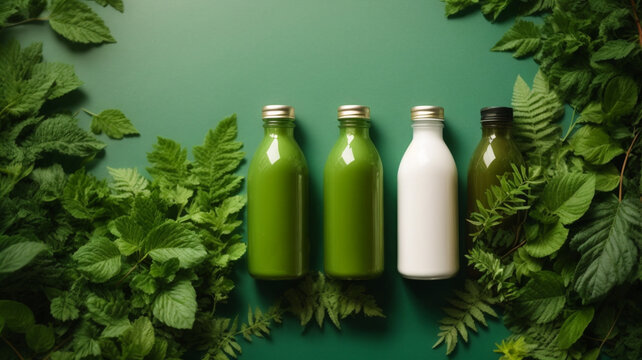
point(427, 206)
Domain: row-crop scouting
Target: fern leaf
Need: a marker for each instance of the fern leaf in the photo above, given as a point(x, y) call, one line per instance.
point(496, 276)
point(467, 306)
point(536, 113)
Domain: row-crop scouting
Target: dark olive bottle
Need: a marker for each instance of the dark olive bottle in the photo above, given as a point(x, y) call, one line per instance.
point(492, 158)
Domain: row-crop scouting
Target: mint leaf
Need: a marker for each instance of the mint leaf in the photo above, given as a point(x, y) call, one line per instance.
point(113, 123)
point(16, 256)
point(138, 340)
point(549, 240)
point(493, 8)
point(165, 270)
point(574, 326)
point(77, 22)
point(524, 38)
point(99, 259)
point(620, 96)
point(144, 282)
point(83, 196)
point(568, 196)
point(173, 240)
point(606, 243)
point(130, 235)
point(128, 183)
point(17, 316)
point(116, 4)
point(614, 50)
point(40, 338)
point(592, 113)
point(594, 145)
point(64, 307)
point(456, 6)
point(62, 135)
point(25, 97)
point(176, 307)
point(543, 297)
point(63, 75)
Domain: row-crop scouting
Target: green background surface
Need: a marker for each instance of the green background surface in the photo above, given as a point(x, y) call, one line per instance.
point(180, 66)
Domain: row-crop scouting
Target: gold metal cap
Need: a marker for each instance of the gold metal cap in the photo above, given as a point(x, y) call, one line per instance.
point(278, 112)
point(354, 112)
point(427, 112)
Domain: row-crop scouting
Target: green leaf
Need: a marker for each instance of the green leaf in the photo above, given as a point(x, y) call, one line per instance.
point(574, 326)
point(173, 240)
point(614, 50)
point(568, 196)
point(176, 307)
point(169, 162)
point(543, 297)
point(17, 316)
point(493, 8)
point(138, 340)
point(19, 255)
point(130, 235)
point(128, 182)
point(159, 350)
point(113, 123)
point(620, 96)
point(606, 243)
point(6, 10)
point(99, 259)
point(165, 270)
point(26, 97)
point(456, 6)
point(62, 355)
point(524, 38)
point(549, 240)
point(51, 181)
point(77, 22)
point(177, 195)
point(116, 4)
point(40, 338)
point(594, 145)
point(592, 113)
point(64, 307)
point(63, 75)
point(61, 134)
point(144, 282)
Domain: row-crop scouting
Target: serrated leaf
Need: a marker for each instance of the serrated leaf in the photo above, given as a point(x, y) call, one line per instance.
point(16, 256)
point(169, 162)
point(113, 123)
point(594, 145)
point(99, 259)
point(568, 196)
point(456, 6)
point(128, 182)
point(606, 243)
point(173, 240)
point(130, 235)
point(144, 282)
point(543, 297)
point(550, 239)
point(523, 38)
point(116, 4)
point(176, 306)
point(138, 340)
point(40, 338)
point(64, 307)
point(61, 134)
point(63, 75)
point(165, 270)
point(77, 22)
point(17, 316)
point(614, 50)
point(493, 8)
point(620, 96)
point(574, 326)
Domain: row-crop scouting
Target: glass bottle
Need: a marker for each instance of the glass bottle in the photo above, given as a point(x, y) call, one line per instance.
point(427, 241)
point(277, 191)
point(492, 158)
point(353, 200)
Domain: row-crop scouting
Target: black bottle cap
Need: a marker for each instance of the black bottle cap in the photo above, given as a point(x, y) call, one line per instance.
point(497, 114)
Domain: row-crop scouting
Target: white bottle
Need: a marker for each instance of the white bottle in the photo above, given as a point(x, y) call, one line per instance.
point(428, 244)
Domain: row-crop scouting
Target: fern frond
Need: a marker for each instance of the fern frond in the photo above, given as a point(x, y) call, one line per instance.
point(467, 308)
point(128, 182)
point(513, 348)
point(536, 113)
point(511, 196)
point(258, 323)
point(496, 276)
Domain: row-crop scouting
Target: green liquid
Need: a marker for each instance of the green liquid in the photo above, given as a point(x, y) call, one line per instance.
point(278, 244)
point(492, 158)
point(353, 205)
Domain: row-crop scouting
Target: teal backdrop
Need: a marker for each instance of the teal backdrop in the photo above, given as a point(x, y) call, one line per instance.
point(180, 66)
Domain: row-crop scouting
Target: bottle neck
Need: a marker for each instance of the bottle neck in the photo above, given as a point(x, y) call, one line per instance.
point(278, 127)
point(496, 130)
point(355, 127)
point(425, 129)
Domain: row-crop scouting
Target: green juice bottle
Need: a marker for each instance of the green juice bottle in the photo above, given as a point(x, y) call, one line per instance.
point(277, 192)
point(353, 200)
point(492, 158)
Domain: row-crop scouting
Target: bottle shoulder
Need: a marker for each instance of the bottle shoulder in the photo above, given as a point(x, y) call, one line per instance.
point(278, 152)
point(421, 156)
point(358, 151)
point(495, 156)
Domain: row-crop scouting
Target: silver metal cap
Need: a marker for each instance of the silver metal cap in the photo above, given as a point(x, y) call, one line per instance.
point(427, 112)
point(278, 112)
point(354, 112)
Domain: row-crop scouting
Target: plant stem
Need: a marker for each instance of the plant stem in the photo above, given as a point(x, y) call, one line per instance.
point(12, 348)
point(26, 21)
point(514, 248)
point(89, 112)
point(626, 157)
point(634, 8)
point(611, 329)
point(570, 128)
